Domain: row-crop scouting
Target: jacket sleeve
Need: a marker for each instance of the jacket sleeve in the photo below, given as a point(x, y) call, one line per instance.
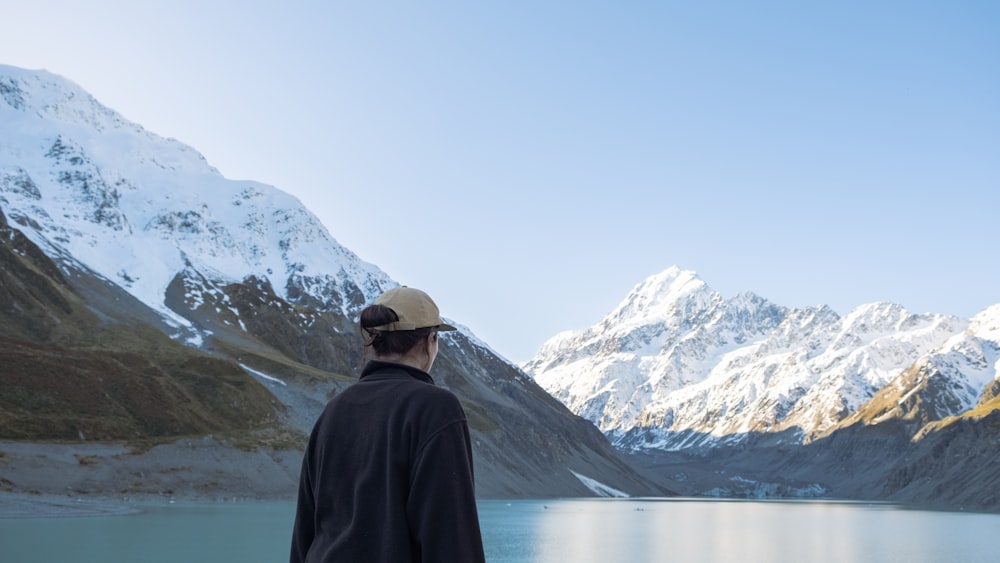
point(441, 507)
point(305, 521)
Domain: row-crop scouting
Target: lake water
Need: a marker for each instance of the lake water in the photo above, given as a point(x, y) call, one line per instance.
point(563, 531)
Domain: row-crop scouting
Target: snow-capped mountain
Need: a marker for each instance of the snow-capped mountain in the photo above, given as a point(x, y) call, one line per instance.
point(112, 236)
point(676, 365)
point(82, 181)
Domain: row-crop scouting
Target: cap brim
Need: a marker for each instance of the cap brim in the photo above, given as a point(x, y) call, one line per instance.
point(445, 326)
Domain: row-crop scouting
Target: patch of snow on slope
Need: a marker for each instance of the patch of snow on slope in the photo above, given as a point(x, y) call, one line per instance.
point(263, 375)
point(598, 488)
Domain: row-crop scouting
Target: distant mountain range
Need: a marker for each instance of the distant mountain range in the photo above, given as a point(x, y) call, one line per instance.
point(675, 367)
point(146, 300)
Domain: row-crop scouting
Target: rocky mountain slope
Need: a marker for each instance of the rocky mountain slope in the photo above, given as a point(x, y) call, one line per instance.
point(685, 379)
point(166, 328)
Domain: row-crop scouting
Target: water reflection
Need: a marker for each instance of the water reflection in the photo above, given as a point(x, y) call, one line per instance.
point(602, 531)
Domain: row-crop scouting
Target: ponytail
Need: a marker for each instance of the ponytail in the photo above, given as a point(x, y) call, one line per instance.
point(386, 342)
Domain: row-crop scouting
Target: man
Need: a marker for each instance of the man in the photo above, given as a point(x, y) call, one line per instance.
point(387, 475)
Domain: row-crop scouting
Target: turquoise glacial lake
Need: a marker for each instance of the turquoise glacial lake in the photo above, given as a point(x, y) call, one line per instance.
point(548, 531)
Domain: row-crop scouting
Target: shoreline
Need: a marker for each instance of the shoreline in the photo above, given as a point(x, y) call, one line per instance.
point(27, 505)
point(20, 505)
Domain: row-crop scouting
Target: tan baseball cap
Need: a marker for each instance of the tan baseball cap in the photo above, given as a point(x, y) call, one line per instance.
point(414, 308)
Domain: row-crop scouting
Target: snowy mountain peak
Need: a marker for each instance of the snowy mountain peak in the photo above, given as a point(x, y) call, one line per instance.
point(868, 323)
point(875, 313)
point(664, 289)
point(671, 294)
point(986, 324)
point(55, 98)
point(82, 181)
point(879, 315)
point(33, 101)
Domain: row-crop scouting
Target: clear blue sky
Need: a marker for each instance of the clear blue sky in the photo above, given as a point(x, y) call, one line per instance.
point(527, 163)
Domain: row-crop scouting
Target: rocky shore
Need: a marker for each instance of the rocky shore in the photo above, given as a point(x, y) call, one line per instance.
point(90, 479)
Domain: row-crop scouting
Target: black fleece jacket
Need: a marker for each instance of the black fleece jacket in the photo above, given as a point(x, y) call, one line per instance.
point(387, 475)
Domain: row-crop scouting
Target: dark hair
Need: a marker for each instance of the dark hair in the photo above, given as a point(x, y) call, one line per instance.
point(388, 342)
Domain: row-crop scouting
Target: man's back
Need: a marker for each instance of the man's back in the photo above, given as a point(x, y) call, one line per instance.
point(387, 475)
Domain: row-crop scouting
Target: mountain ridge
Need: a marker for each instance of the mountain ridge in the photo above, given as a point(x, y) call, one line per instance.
point(151, 240)
point(650, 370)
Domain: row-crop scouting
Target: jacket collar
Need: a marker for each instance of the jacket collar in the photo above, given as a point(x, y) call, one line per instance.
point(377, 367)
